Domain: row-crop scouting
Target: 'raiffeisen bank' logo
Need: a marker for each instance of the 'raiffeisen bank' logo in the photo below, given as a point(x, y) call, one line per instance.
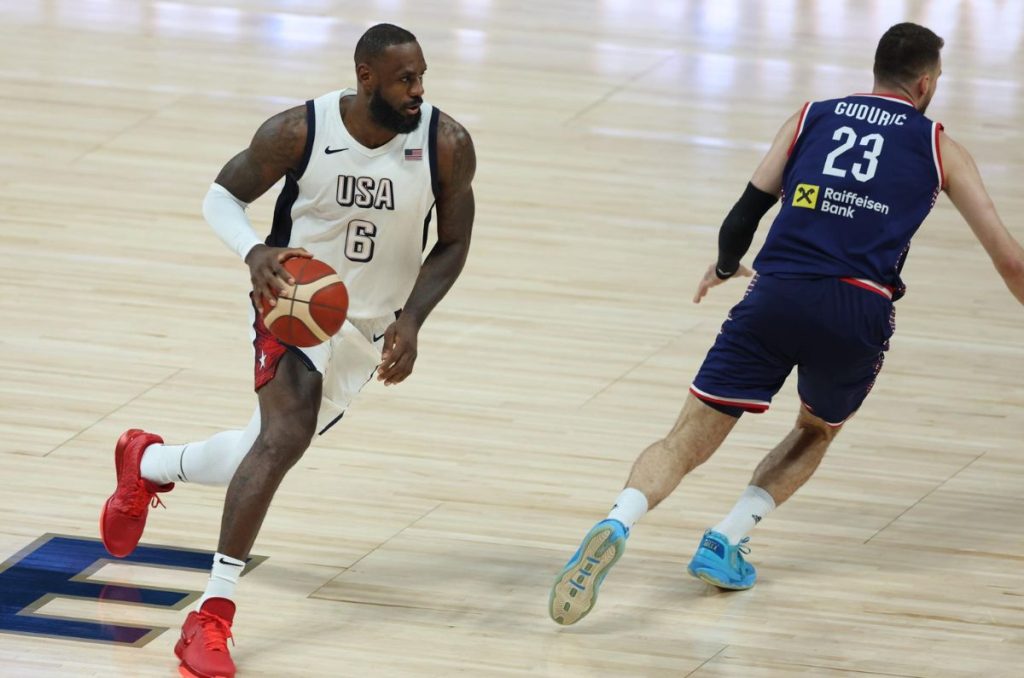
point(806, 195)
point(842, 203)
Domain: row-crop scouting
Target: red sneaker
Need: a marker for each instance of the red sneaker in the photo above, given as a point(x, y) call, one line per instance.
point(203, 646)
point(124, 515)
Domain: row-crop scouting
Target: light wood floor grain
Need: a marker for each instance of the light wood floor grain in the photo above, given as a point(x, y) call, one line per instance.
point(420, 538)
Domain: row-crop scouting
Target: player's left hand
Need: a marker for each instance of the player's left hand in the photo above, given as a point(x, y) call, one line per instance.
point(711, 279)
point(399, 355)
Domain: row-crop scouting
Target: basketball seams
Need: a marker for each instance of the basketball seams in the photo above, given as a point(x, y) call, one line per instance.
point(302, 269)
point(275, 313)
point(298, 333)
point(317, 307)
point(304, 315)
point(298, 276)
point(312, 288)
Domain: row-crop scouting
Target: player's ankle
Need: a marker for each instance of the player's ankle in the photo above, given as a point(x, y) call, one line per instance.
point(630, 506)
point(223, 578)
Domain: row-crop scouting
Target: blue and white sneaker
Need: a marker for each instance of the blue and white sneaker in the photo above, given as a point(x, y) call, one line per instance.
point(721, 564)
point(575, 590)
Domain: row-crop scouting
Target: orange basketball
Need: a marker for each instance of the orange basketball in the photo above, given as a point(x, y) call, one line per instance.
point(312, 310)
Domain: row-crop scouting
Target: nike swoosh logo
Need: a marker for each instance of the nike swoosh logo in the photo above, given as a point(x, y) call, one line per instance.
point(377, 338)
point(224, 562)
point(329, 150)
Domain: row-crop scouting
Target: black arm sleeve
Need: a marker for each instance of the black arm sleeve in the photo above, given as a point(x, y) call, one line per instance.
point(738, 228)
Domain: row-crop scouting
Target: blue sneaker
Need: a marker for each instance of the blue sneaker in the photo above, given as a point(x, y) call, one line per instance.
point(575, 590)
point(721, 564)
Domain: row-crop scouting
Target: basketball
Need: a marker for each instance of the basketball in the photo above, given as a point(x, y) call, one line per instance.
point(312, 310)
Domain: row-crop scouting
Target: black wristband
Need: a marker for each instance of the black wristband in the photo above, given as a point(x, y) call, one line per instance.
point(725, 275)
point(738, 228)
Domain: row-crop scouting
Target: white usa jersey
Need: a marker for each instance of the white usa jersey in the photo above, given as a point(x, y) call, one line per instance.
point(365, 211)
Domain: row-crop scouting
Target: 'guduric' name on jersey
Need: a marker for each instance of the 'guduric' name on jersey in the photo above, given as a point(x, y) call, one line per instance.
point(366, 192)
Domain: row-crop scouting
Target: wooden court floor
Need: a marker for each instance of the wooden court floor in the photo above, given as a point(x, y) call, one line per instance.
point(420, 538)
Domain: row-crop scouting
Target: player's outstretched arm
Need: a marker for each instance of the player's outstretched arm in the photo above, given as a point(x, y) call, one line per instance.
point(967, 192)
point(276, 149)
point(737, 230)
point(456, 166)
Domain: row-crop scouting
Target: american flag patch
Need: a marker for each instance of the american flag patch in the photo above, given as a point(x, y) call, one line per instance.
point(414, 154)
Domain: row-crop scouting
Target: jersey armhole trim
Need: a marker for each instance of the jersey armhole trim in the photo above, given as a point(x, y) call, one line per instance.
point(307, 152)
point(426, 226)
point(937, 154)
point(435, 184)
point(799, 127)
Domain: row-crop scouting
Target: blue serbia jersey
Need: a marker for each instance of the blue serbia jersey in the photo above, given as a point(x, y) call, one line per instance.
point(863, 173)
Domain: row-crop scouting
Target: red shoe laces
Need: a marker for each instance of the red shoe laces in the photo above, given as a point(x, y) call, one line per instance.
point(136, 502)
point(216, 632)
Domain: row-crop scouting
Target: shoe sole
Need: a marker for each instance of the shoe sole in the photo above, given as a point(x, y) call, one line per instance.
point(119, 447)
point(571, 599)
point(185, 671)
point(708, 578)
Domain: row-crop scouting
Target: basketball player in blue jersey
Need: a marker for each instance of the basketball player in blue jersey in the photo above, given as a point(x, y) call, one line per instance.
point(364, 169)
point(857, 176)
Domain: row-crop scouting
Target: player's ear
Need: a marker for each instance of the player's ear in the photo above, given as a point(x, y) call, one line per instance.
point(365, 76)
point(924, 84)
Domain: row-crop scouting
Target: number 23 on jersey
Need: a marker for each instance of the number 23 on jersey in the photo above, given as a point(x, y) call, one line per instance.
point(864, 168)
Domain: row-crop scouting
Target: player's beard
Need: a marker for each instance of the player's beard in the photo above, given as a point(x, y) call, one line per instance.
point(387, 117)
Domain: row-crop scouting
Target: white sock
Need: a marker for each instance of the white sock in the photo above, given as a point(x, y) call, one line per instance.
point(630, 506)
point(753, 505)
point(160, 463)
point(223, 578)
point(209, 462)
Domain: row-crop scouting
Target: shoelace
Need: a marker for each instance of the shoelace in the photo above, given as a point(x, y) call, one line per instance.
point(138, 499)
point(216, 632)
point(741, 550)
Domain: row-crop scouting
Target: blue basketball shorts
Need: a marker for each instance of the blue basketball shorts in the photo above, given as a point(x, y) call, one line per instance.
point(835, 331)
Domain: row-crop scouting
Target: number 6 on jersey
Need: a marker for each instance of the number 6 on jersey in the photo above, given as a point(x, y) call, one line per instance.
point(359, 240)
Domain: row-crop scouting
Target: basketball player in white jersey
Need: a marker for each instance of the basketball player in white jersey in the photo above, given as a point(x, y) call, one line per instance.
point(363, 168)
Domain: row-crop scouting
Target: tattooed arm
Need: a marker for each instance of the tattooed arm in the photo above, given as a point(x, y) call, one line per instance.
point(275, 150)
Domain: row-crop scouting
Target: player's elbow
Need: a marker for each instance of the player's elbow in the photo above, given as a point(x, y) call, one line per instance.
point(1010, 266)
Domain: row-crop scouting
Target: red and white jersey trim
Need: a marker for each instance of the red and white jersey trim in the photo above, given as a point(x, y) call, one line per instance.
point(746, 404)
point(835, 425)
point(937, 154)
point(799, 126)
point(870, 285)
point(888, 97)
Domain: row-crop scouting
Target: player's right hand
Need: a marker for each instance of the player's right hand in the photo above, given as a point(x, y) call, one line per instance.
point(711, 279)
point(269, 278)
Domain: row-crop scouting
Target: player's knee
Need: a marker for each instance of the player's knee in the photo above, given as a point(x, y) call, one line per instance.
point(285, 439)
point(816, 426)
point(816, 431)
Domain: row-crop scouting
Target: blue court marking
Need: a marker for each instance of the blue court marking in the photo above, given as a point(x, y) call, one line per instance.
point(54, 566)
